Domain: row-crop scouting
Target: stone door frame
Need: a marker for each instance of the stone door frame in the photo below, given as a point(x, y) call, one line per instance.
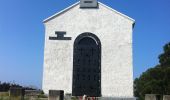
point(98, 44)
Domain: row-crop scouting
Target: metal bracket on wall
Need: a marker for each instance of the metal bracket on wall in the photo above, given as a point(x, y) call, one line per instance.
point(60, 36)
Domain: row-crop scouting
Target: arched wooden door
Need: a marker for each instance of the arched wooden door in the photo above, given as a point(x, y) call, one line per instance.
point(87, 66)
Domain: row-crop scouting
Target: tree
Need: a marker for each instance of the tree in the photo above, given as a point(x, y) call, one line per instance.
point(4, 87)
point(164, 58)
point(155, 80)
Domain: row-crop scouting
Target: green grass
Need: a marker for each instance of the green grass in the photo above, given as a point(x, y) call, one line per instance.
point(2, 94)
point(5, 96)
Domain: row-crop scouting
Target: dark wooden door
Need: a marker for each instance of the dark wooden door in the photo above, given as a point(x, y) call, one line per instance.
point(86, 68)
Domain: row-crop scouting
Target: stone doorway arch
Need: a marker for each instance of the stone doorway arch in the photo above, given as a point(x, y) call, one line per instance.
point(87, 66)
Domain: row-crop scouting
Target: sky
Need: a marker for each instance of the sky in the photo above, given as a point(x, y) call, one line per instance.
point(22, 35)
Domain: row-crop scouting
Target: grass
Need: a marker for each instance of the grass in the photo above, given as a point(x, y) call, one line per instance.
point(2, 94)
point(5, 96)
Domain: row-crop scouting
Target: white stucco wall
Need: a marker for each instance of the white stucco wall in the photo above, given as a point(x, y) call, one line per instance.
point(115, 34)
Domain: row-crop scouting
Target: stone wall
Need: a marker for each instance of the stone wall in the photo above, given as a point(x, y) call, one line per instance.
point(166, 97)
point(115, 33)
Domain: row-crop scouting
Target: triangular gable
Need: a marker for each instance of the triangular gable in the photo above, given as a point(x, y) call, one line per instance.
point(68, 8)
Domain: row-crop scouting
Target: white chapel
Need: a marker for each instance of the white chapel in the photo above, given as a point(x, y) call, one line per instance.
point(88, 50)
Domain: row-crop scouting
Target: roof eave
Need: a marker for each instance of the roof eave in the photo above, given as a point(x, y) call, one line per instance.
point(118, 12)
point(62, 11)
point(55, 15)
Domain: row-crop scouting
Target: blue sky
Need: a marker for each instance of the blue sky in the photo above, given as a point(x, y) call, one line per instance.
point(22, 34)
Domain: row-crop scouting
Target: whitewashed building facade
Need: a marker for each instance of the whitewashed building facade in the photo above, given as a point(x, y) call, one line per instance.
point(88, 50)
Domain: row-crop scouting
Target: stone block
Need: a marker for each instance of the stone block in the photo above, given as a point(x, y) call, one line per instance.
point(56, 95)
point(16, 93)
point(166, 97)
point(88, 4)
point(153, 97)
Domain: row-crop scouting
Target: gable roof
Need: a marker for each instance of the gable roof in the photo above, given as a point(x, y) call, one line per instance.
point(68, 8)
